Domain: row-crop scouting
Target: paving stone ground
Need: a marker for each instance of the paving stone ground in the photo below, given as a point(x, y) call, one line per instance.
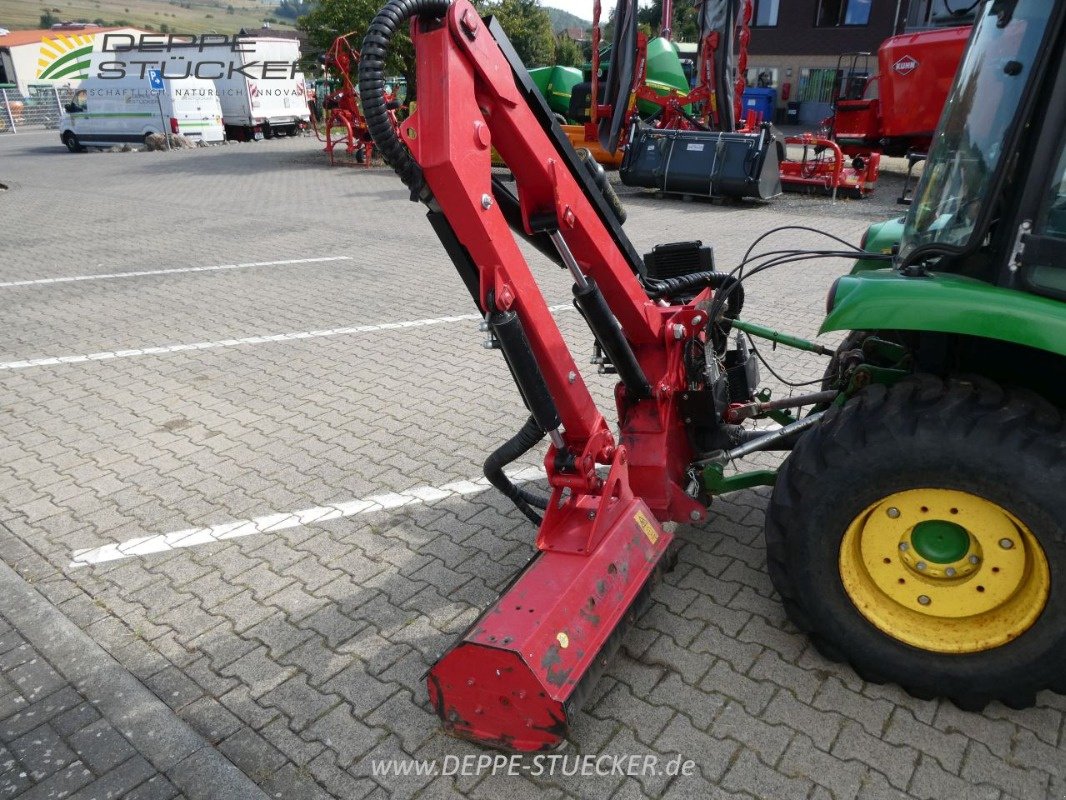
point(297, 652)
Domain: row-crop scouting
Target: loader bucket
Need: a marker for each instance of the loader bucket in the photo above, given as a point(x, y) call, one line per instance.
point(704, 163)
point(517, 676)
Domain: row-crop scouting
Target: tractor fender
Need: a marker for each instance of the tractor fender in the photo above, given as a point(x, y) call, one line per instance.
point(886, 300)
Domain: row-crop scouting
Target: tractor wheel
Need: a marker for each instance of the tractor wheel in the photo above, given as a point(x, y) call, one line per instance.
point(919, 533)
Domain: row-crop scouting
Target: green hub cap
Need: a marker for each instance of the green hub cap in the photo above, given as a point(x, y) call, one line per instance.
point(940, 541)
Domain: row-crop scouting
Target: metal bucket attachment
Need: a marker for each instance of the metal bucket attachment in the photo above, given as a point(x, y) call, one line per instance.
point(704, 163)
point(515, 679)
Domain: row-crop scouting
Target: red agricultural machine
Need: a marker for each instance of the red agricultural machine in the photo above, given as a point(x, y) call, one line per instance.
point(341, 106)
point(893, 112)
point(915, 530)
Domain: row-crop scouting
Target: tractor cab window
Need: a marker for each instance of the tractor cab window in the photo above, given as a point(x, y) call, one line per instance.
point(1043, 267)
point(1056, 213)
point(978, 118)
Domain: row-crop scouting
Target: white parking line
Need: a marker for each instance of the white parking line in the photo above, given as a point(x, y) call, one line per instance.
point(140, 273)
point(249, 340)
point(271, 523)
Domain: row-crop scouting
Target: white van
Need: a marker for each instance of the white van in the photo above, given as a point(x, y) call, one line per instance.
point(114, 111)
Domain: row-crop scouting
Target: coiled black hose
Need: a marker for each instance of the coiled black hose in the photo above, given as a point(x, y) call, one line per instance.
point(687, 284)
point(511, 450)
point(372, 60)
point(717, 330)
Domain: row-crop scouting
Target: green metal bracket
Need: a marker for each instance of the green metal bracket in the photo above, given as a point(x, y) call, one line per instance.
point(716, 483)
point(867, 374)
point(884, 351)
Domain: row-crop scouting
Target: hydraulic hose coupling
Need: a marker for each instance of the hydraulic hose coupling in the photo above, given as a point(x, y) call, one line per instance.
point(374, 54)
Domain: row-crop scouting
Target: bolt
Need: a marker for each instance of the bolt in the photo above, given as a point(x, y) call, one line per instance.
point(904, 547)
point(920, 566)
point(679, 331)
point(950, 572)
point(486, 202)
point(893, 512)
point(469, 23)
point(923, 600)
point(696, 320)
point(592, 515)
point(572, 376)
point(974, 560)
point(1006, 544)
point(695, 516)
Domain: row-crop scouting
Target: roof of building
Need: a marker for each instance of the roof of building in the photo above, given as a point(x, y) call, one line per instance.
point(16, 38)
point(273, 33)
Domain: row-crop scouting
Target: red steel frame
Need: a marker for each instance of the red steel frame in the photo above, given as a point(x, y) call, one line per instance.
point(521, 669)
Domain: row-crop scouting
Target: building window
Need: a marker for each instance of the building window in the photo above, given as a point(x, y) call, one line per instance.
point(762, 77)
point(765, 15)
point(833, 13)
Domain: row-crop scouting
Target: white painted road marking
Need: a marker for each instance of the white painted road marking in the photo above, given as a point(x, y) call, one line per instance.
point(271, 523)
point(249, 340)
point(140, 273)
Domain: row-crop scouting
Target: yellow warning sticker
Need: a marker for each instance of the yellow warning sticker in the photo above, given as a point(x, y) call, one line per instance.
point(562, 639)
point(646, 525)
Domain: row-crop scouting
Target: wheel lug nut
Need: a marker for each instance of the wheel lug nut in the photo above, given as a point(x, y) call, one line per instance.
point(1006, 544)
point(923, 600)
point(893, 512)
point(920, 566)
point(904, 547)
point(975, 560)
point(950, 572)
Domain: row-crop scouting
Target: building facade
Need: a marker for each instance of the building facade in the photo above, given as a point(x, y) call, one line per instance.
point(796, 44)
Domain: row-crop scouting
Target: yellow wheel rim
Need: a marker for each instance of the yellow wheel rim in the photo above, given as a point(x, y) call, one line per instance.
point(944, 570)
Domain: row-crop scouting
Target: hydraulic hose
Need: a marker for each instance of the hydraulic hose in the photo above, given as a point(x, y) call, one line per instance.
point(717, 330)
point(683, 284)
point(511, 450)
point(375, 53)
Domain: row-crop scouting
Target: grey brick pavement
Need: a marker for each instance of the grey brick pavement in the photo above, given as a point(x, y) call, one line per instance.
point(298, 653)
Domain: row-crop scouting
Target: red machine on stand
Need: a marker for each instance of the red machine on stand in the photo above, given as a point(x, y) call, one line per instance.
point(341, 106)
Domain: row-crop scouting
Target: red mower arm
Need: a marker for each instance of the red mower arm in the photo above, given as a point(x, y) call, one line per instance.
point(514, 679)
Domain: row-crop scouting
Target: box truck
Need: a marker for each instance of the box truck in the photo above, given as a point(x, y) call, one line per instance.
point(261, 90)
point(112, 111)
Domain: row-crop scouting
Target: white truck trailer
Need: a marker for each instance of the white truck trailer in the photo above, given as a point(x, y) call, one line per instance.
point(266, 94)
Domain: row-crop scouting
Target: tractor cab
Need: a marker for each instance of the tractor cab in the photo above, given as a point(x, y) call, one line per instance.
point(991, 202)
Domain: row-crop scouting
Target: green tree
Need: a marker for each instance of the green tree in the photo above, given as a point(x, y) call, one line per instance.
point(528, 26)
point(568, 52)
point(685, 23)
point(48, 19)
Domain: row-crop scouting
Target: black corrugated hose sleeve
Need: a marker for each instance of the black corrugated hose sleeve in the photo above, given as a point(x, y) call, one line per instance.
point(372, 85)
point(669, 287)
point(511, 450)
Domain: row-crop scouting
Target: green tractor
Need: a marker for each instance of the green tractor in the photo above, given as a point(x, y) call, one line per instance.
point(919, 531)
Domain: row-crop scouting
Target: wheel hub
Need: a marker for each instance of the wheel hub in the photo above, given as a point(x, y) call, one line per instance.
point(944, 570)
point(939, 549)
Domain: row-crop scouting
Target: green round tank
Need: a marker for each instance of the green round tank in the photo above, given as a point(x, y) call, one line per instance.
point(664, 73)
point(557, 84)
point(560, 86)
point(541, 78)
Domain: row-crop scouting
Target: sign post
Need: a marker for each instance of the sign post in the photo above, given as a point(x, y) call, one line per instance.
point(155, 83)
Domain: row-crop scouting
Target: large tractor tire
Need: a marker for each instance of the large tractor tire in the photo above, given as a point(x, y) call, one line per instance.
point(919, 534)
